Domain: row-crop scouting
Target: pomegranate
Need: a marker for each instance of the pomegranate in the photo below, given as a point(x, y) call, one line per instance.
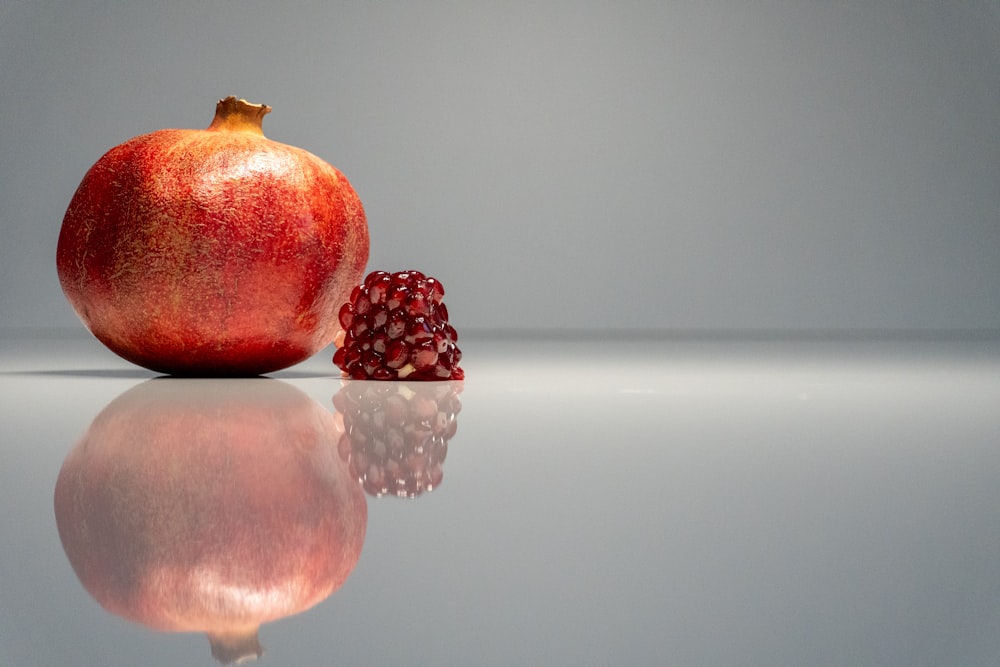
point(212, 252)
point(396, 327)
point(210, 505)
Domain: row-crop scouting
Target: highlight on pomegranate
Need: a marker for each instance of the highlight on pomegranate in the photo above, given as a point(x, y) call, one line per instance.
point(396, 434)
point(212, 252)
point(210, 506)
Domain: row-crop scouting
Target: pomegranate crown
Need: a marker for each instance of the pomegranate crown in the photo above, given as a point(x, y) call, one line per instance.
point(238, 114)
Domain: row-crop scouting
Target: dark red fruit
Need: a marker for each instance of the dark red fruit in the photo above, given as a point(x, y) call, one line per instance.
point(396, 434)
point(396, 327)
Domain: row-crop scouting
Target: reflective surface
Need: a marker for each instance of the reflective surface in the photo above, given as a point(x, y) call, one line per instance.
point(675, 502)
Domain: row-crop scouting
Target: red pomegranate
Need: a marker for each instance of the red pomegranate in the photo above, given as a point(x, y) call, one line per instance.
point(212, 252)
point(210, 505)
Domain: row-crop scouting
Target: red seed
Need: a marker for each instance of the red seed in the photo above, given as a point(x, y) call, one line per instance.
point(396, 355)
point(362, 305)
point(358, 329)
point(435, 290)
point(396, 324)
point(375, 277)
point(418, 331)
point(346, 316)
point(416, 305)
point(394, 295)
point(378, 317)
point(352, 356)
point(424, 358)
point(371, 361)
point(378, 286)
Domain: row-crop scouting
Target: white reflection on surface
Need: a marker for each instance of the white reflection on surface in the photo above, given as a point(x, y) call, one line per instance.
point(210, 506)
point(683, 505)
point(661, 502)
point(396, 433)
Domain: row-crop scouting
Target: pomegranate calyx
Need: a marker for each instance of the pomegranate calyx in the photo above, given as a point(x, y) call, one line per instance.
point(238, 115)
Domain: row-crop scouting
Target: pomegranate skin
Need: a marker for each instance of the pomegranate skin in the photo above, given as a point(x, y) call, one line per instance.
point(212, 252)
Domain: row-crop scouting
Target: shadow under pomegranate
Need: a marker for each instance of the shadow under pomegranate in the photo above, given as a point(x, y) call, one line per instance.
point(210, 506)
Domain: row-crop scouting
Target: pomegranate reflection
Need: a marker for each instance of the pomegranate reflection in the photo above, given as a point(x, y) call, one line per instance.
point(211, 506)
point(396, 433)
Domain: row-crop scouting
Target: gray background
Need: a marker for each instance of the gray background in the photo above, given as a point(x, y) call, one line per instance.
point(680, 165)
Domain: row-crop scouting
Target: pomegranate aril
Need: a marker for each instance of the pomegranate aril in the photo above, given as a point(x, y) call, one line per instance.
point(352, 355)
point(435, 291)
point(370, 360)
point(376, 277)
point(359, 327)
point(395, 295)
point(378, 317)
point(400, 324)
point(416, 305)
point(407, 277)
point(396, 355)
point(396, 324)
point(418, 331)
point(346, 316)
point(377, 287)
point(423, 358)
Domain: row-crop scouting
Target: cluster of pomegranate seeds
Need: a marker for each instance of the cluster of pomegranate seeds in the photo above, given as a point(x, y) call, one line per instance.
point(396, 327)
point(396, 434)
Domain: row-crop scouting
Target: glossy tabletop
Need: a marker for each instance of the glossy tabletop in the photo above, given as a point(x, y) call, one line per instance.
point(658, 501)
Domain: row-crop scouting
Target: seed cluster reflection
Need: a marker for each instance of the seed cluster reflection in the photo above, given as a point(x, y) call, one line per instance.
point(396, 433)
point(217, 505)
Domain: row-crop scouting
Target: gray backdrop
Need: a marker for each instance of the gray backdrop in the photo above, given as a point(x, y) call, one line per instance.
point(563, 164)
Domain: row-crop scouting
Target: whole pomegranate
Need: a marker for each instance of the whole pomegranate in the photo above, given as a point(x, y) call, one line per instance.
point(212, 252)
point(210, 505)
